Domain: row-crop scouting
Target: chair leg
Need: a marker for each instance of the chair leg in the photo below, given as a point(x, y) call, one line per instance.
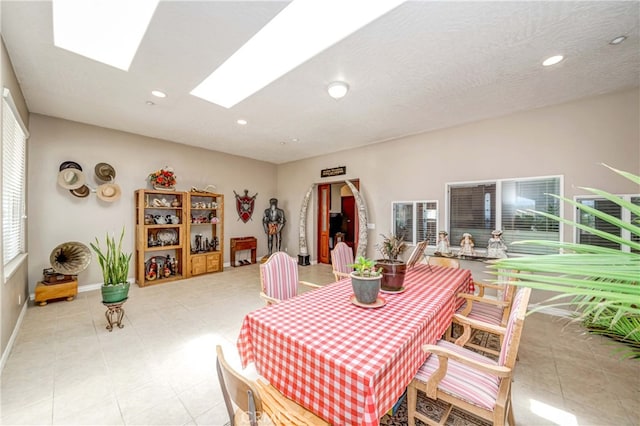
point(412, 403)
point(449, 334)
point(510, 418)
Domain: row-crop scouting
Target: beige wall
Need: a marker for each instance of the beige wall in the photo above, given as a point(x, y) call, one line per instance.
point(57, 216)
point(570, 139)
point(14, 292)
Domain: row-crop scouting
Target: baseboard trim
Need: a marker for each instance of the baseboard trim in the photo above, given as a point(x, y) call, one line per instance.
point(14, 334)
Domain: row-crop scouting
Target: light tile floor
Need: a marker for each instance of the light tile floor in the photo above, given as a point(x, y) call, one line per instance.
point(66, 368)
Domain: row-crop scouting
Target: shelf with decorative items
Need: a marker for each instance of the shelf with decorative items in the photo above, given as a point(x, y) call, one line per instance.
point(205, 232)
point(160, 236)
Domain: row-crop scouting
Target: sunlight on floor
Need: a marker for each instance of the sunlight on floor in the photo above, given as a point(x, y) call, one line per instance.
point(553, 414)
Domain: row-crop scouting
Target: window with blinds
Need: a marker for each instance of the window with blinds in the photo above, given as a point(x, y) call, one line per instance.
point(415, 220)
point(480, 207)
point(610, 208)
point(14, 140)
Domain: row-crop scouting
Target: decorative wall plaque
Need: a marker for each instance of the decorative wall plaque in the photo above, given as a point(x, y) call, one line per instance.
point(334, 171)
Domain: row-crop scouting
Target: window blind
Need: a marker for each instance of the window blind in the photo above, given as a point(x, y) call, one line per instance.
point(415, 220)
point(610, 208)
point(519, 223)
point(479, 208)
point(472, 209)
point(14, 137)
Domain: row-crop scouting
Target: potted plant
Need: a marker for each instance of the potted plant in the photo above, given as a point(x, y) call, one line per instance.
point(601, 283)
point(393, 270)
point(115, 269)
point(365, 280)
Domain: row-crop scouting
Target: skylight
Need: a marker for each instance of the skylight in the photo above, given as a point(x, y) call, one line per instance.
point(302, 30)
point(108, 31)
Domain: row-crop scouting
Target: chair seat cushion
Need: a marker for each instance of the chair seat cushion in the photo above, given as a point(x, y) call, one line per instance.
point(462, 381)
point(484, 312)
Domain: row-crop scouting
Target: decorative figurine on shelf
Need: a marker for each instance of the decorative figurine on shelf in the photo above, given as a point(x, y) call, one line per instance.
point(442, 247)
point(466, 245)
point(152, 272)
point(198, 243)
point(168, 265)
point(273, 221)
point(496, 247)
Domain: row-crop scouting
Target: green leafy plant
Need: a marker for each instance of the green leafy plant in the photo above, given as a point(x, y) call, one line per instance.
point(364, 267)
point(600, 283)
point(114, 263)
point(392, 246)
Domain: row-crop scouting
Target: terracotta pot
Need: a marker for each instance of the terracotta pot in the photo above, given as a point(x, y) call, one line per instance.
point(366, 289)
point(393, 272)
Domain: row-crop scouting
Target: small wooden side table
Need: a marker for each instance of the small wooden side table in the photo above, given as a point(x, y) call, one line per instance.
point(114, 311)
point(243, 243)
point(45, 292)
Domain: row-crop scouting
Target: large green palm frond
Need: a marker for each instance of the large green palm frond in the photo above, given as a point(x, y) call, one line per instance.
point(600, 284)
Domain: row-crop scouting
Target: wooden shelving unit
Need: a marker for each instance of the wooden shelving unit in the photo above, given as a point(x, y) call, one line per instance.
point(160, 241)
point(205, 233)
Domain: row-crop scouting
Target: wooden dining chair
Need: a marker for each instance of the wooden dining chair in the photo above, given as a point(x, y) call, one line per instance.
point(341, 258)
point(238, 390)
point(484, 310)
point(448, 262)
point(417, 254)
point(469, 381)
point(279, 278)
point(258, 403)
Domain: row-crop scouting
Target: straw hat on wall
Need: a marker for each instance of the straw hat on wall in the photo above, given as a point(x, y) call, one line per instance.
point(109, 192)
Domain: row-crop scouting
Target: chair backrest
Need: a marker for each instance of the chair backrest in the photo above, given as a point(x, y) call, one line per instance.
point(341, 257)
point(448, 262)
point(237, 389)
point(279, 276)
point(418, 253)
point(511, 341)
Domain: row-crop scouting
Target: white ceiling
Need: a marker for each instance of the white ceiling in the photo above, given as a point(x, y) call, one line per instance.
point(424, 66)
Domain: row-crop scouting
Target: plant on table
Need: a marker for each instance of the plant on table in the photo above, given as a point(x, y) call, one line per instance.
point(391, 247)
point(365, 280)
point(602, 283)
point(393, 270)
point(364, 267)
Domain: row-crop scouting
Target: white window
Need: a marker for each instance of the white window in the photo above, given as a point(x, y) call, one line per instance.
point(415, 220)
point(480, 207)
point(613, 209)
point(14, 141)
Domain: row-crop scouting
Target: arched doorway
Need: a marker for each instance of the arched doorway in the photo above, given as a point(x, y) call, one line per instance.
point(338, 218)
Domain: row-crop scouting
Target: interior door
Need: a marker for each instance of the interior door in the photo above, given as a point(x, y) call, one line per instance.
point(324, 205)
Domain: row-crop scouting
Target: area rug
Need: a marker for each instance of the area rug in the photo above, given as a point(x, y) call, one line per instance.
point(434, 409)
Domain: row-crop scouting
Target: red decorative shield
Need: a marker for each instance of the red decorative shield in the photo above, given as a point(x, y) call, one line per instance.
point(244, 205)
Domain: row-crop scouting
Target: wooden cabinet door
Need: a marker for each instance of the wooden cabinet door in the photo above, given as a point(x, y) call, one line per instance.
point(213, 262)
point(198, 265)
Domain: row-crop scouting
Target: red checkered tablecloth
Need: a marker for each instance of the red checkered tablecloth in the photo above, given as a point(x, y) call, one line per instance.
point(346, 363)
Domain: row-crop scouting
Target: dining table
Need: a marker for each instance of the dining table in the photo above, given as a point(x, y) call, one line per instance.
point(345, 362)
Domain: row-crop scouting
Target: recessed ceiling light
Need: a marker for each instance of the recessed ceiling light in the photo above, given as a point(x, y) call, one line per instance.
point(295, 140)
point(338, 89)
point(241, 122)
point(150, 103)
point(552, 60)
point(158, 94)
point(618, 40)
point(302, 30)
point(107, 31)
point(283, 143)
